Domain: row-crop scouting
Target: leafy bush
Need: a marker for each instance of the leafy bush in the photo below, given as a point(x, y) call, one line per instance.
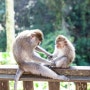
point(2, 40)
point(83, 51)
point(6, 58)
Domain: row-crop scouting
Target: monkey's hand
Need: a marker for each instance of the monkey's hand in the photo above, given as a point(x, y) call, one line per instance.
point(50, 57)
point(53, 64)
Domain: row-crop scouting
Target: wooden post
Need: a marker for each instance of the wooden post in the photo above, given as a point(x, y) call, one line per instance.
point(4, 85)
point(81, 86)
point(54, 86)
point(28, 85)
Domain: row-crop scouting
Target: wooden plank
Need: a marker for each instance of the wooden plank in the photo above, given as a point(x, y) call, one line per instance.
point(40, 78)
point(28, 85)
point(6, 77)
point(8, 69)
point(81, 86)
point(54, 85)
point(72, 71)
point(4, 85)
point(78, 74)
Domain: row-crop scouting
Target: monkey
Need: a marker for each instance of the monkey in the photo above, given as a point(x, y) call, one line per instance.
point(24, 51)
point(64, 52)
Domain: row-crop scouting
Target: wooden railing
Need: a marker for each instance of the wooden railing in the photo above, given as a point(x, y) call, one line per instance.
point(80, 75)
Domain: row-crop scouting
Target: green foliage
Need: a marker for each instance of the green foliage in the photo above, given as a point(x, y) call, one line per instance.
point(35, 16)
point(4, 58)
point(79, 18)
point(83, 51)
point(2, 24)
point(40, 85)
point(2, 40)
point(2, 11)
point(20, 85)
point(44, 23)
point(47, 16)
point(79, 24)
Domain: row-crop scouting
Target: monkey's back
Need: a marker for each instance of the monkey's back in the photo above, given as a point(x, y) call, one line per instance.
point(19, 45)
point(70, 52)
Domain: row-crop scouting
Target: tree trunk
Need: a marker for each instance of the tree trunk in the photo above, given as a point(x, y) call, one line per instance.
point(10, 24)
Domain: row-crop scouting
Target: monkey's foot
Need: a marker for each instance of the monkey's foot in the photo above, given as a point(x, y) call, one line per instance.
point(62, 77)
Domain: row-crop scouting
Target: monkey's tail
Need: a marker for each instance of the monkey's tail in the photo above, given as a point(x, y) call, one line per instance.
point(17, 76)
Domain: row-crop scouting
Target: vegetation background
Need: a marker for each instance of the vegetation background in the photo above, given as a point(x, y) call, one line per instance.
point(68, 17)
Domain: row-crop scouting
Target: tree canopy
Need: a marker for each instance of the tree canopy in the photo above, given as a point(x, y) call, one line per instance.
point(53, 17)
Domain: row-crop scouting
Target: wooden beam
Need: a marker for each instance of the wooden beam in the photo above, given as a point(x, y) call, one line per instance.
point(72, 71)
point(78, 74)
point(40, 78)
point(75, 73)
point(54, 85)
point(28, 85)
point(4, 85)
point(81, 86)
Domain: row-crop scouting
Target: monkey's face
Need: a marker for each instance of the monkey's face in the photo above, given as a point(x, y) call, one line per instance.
point(34, 41)
point(60, 41)
point(36, 37)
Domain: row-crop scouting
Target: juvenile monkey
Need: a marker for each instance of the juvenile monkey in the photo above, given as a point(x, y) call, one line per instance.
point(64, 53)
point(24, 47)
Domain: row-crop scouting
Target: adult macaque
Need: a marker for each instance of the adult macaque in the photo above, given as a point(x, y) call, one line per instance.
point(24, 47)
point(64, 53)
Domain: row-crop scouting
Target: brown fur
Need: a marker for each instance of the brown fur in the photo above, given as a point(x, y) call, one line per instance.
point(39, 35)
